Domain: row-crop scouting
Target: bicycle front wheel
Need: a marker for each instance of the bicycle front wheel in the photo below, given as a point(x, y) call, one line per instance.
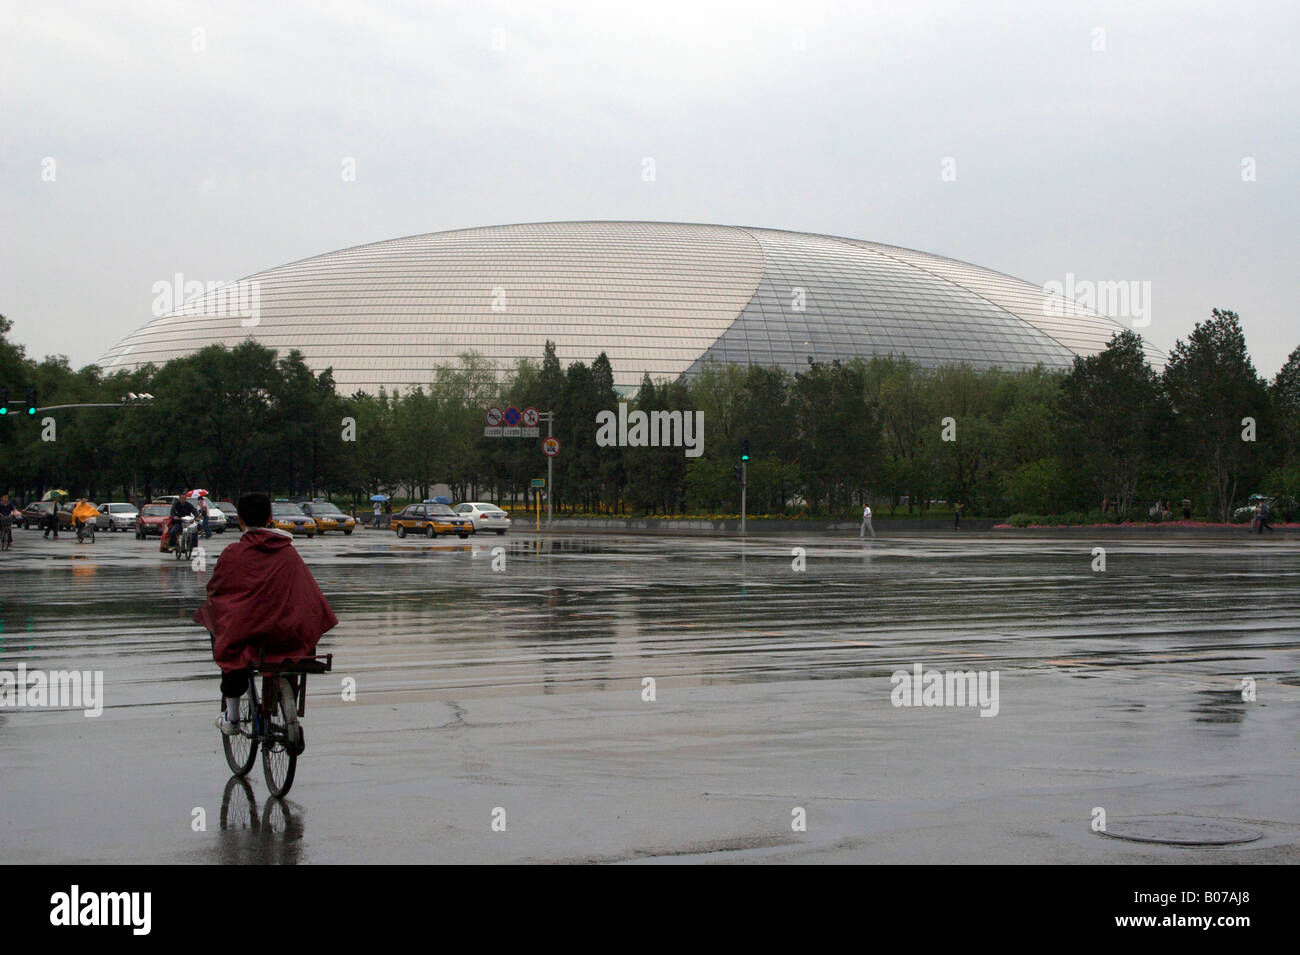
point(241, 749)
point(280, 751)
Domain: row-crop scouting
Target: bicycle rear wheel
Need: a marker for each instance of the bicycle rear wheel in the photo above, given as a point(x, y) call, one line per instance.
point(241, 750)
point(280, 751)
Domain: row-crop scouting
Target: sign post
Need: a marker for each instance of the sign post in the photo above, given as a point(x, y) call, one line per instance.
point(537, 485)
point(550, 448)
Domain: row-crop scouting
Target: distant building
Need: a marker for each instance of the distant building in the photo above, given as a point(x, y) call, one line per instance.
point(657, 297)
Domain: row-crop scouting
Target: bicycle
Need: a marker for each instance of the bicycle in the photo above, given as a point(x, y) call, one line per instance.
point(186, 538)
point(86, 529)
point(271, 721)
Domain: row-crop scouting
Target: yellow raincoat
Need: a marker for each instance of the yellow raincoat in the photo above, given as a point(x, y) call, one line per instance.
point(84, 511)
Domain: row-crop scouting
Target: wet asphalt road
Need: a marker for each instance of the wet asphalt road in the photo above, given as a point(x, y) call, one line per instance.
point(520, 689)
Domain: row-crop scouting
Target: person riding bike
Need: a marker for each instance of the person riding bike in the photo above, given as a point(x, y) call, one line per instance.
point(263, 603)
point(81, 514)
point(176, 520)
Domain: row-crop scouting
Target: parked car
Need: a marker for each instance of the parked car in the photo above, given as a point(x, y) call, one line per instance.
point(485, 517)
point(431, 520)
point(328, 517)
point(166, 499)
point(149, 522)
point(65, 515)
point(36, 514)
point(228, 509)
point(117, 517)
point(287, 516)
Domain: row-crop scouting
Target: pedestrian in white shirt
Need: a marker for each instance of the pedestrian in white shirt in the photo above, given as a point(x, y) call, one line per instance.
point(866, 523)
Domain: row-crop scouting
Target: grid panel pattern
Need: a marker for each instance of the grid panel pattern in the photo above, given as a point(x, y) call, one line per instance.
point(656, 297)
point(825, 299)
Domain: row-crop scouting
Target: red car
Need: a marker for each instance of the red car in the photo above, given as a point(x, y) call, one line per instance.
point(151, 520)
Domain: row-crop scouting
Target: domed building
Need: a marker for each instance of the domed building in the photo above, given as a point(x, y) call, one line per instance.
point(657, 297)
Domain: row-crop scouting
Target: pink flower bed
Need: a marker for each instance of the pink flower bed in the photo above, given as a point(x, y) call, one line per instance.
point(1244, 527)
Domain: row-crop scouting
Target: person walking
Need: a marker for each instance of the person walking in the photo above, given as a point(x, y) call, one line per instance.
point(379, 509)
point(1264, 518)
point(866, 523)
point(956, 515)
point(8, 513)
point(203, 516)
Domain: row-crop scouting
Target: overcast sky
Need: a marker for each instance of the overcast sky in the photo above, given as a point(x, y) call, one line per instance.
point(1113, 141)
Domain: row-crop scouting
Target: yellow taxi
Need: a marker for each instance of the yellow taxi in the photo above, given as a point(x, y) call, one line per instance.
point(328, 517)
point(431, 519)
point(287, 516)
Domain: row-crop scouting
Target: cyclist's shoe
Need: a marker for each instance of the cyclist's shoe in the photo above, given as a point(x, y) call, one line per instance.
point(227, 728)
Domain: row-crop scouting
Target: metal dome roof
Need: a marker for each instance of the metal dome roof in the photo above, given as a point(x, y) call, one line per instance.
point(657, 297)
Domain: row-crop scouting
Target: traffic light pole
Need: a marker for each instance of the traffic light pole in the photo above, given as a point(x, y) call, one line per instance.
point(744, 469)
point(32, 411)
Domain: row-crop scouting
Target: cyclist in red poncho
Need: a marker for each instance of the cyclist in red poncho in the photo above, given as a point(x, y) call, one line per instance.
point(262, 602)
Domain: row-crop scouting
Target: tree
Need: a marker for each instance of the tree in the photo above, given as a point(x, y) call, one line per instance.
point(1108, 404)
point(1213, 387)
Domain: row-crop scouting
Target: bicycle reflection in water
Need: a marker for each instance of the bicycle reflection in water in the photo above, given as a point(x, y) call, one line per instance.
point(273, 838)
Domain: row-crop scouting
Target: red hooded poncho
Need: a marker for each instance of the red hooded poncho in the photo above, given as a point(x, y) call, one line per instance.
point(263, 599)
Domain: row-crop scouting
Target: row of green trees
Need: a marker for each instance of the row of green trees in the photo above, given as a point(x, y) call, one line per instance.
point(823, 440)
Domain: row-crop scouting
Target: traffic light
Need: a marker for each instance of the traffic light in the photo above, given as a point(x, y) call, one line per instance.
point(4, 401)
point(31, 401)
point(744, 449)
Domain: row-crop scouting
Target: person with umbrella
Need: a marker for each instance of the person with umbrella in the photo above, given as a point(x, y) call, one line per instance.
point(200, 498)
point(379, 506)
point(52, 520)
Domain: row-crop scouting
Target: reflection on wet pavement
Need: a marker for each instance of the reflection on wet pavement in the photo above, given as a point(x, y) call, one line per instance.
point(576, 613)
point(489, 669)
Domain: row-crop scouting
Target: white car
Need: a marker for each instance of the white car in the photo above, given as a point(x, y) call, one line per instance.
point(117, 517)
point(485, 517)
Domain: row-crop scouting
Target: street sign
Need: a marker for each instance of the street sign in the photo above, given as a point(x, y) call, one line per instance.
point(491, 432)
point(529, 432)
point(512, 417)
point(530, 418)
point(539, 482)
point(551, 447)
point(511, 432)
point(493, 417)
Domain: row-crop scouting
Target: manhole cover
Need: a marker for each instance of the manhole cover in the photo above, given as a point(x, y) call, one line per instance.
point(1182, 832)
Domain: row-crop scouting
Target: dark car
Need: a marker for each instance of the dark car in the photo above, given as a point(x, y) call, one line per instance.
point(36, 514)
point(151, 520)
point(65, 515)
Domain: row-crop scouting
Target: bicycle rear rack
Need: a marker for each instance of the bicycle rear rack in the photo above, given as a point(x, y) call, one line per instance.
point(300, 667)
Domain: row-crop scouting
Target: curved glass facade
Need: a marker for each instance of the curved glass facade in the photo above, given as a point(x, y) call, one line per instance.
point(656, 297)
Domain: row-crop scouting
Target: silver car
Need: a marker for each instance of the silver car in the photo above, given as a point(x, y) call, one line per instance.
point(484, 517)
point(117, 517)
